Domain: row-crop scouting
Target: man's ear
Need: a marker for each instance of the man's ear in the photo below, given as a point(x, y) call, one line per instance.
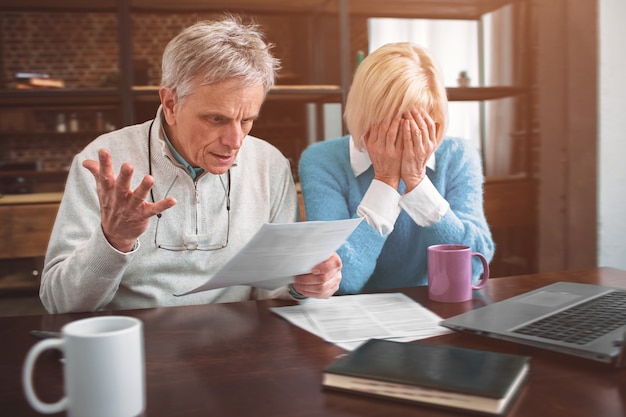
point(168, 101)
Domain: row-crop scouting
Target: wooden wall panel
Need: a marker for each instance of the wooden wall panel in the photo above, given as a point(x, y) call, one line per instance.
point(25, 230)
point(567, 109)
point(510, 208)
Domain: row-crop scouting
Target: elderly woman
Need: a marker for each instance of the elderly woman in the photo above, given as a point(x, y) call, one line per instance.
point(413, 186)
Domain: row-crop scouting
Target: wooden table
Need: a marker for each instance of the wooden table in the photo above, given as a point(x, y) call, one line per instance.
point(240, 359)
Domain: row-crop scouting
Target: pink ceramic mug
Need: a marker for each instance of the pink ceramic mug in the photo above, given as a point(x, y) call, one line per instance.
point(450, 273)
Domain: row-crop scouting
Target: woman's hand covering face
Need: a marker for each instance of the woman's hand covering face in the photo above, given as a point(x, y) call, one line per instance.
point(400, 148)
point(419, 143)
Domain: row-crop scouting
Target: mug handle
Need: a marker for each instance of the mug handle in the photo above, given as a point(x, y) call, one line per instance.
point(27, 377)
point(485, 277)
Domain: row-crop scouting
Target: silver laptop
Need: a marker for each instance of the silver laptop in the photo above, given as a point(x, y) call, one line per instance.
point(584, 320)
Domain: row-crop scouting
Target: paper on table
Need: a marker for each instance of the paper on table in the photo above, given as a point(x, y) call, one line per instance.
point(279, 251)
point(350, 320)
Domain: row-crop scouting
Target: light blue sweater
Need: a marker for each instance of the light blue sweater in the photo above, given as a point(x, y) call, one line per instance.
point(373, 262)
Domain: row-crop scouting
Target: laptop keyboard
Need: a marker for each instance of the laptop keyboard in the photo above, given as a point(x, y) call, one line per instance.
point(582, 323)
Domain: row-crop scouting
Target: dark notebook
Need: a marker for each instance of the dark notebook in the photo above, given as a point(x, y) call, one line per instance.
point(445, 376)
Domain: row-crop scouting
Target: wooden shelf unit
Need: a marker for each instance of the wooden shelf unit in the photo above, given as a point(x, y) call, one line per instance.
point(428, 9)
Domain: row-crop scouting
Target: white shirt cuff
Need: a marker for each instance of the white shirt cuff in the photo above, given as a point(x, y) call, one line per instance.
point(424, 204)
point(379, 207)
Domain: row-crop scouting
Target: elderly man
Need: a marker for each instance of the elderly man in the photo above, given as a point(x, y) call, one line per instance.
point(192, 187)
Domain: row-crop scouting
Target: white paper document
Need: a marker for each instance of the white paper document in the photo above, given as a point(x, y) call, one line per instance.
point(350, 320)
point(279, 251)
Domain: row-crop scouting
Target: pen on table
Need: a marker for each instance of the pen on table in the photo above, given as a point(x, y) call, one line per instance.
point(44, 334)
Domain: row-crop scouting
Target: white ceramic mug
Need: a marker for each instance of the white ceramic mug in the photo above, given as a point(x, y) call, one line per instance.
point(104, 368)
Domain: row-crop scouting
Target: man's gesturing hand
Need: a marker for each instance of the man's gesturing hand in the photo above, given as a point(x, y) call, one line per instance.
point(125, 213)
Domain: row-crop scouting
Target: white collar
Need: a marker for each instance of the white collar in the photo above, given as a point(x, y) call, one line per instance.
point(360, 160)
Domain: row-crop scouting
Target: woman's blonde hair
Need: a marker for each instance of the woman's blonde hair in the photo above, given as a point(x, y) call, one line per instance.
point(391, 80)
